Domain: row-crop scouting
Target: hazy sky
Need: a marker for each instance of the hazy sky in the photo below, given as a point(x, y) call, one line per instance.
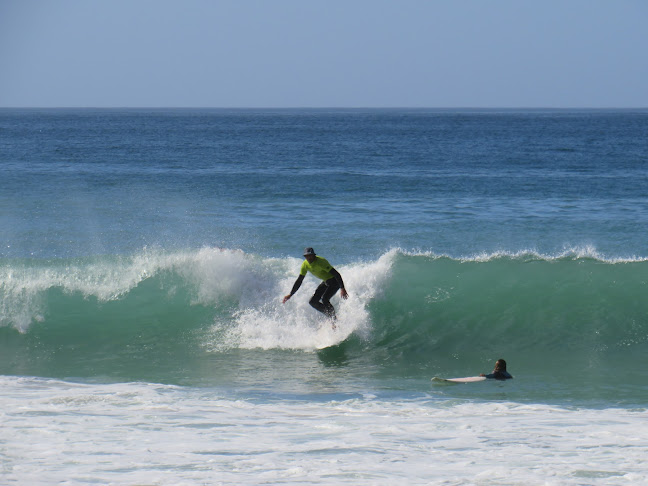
point(326, 53)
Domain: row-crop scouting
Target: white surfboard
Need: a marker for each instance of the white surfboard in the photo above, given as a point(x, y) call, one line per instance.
point(467, 379)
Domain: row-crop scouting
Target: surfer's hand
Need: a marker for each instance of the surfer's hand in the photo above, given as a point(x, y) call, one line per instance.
point(285, 299)
point(343, 294)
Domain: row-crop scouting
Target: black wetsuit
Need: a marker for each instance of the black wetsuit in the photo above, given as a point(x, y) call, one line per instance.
point(499, 375)
point(323, 293)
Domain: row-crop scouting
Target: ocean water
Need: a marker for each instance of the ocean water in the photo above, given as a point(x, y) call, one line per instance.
point(144, 255)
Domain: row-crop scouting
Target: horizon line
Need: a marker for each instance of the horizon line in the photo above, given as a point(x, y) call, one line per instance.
point(172, 107)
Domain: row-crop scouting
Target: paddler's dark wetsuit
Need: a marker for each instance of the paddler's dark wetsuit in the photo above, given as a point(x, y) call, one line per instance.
point(332, 282)
point(499, 375)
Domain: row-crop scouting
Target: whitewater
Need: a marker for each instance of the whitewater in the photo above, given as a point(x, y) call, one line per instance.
point(137, 433)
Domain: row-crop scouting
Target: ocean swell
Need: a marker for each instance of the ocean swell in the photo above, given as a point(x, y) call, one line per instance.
point(404, 306)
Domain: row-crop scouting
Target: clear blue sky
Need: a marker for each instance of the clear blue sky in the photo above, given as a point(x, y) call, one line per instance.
point(325, 53)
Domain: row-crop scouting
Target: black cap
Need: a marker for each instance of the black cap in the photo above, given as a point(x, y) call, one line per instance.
point(309, 251)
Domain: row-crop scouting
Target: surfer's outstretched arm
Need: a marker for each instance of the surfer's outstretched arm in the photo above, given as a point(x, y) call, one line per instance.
point(295, 288)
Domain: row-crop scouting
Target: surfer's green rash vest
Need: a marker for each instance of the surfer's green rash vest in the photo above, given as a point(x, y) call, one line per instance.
point(320, 267)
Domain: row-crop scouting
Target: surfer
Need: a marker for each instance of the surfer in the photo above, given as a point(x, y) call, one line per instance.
point(499, 373)
point(332, 282)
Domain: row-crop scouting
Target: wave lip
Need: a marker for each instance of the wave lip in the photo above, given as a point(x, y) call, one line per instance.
point(568, 253)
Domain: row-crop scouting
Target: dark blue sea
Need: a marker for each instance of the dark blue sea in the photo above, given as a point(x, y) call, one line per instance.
point(144, 255)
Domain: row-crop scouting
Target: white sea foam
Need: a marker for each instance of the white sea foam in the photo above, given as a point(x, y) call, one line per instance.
point(58, 432)
point(266, 323)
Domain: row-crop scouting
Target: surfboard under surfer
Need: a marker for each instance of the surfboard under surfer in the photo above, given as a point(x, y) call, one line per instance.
point(331, 283)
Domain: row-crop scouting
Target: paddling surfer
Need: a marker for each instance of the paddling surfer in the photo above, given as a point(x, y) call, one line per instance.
point(331, 283)
point(499, 373)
